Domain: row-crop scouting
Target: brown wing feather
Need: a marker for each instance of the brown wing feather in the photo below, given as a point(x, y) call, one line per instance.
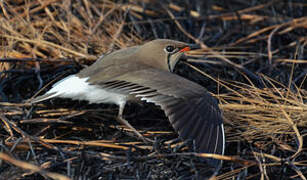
point(192, 111)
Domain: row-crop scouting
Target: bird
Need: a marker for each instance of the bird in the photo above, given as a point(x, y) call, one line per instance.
point(146, 73)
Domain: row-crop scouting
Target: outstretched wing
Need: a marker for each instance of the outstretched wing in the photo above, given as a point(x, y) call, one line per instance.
point(192, 111)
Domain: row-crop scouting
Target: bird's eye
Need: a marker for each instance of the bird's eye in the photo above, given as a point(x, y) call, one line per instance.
point(170, 49)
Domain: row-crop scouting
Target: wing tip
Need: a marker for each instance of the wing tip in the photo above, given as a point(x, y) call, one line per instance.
point(219, 147)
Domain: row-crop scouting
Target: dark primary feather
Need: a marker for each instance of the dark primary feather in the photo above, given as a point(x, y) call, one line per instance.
point(192, 111)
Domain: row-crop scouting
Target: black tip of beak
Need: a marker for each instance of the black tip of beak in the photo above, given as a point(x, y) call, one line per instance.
point(194, 46)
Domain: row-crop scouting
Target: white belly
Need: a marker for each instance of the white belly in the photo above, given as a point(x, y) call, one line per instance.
point(79, 89)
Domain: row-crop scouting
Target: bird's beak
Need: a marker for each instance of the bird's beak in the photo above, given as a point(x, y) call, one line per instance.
point(190, 47)
point(180, 55)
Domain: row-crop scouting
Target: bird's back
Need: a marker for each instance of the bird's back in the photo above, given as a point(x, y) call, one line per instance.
point(107, 64)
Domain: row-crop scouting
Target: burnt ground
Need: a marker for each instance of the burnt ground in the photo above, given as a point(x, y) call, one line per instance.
point(253, 60)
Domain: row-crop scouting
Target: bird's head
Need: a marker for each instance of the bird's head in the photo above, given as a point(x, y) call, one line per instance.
point(164, 53)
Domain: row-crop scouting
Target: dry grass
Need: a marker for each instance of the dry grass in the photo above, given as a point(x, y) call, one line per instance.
point(253, 59)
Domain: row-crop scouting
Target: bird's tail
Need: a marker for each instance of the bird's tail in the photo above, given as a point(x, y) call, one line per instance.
point(42, 97)
point(57, 90)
